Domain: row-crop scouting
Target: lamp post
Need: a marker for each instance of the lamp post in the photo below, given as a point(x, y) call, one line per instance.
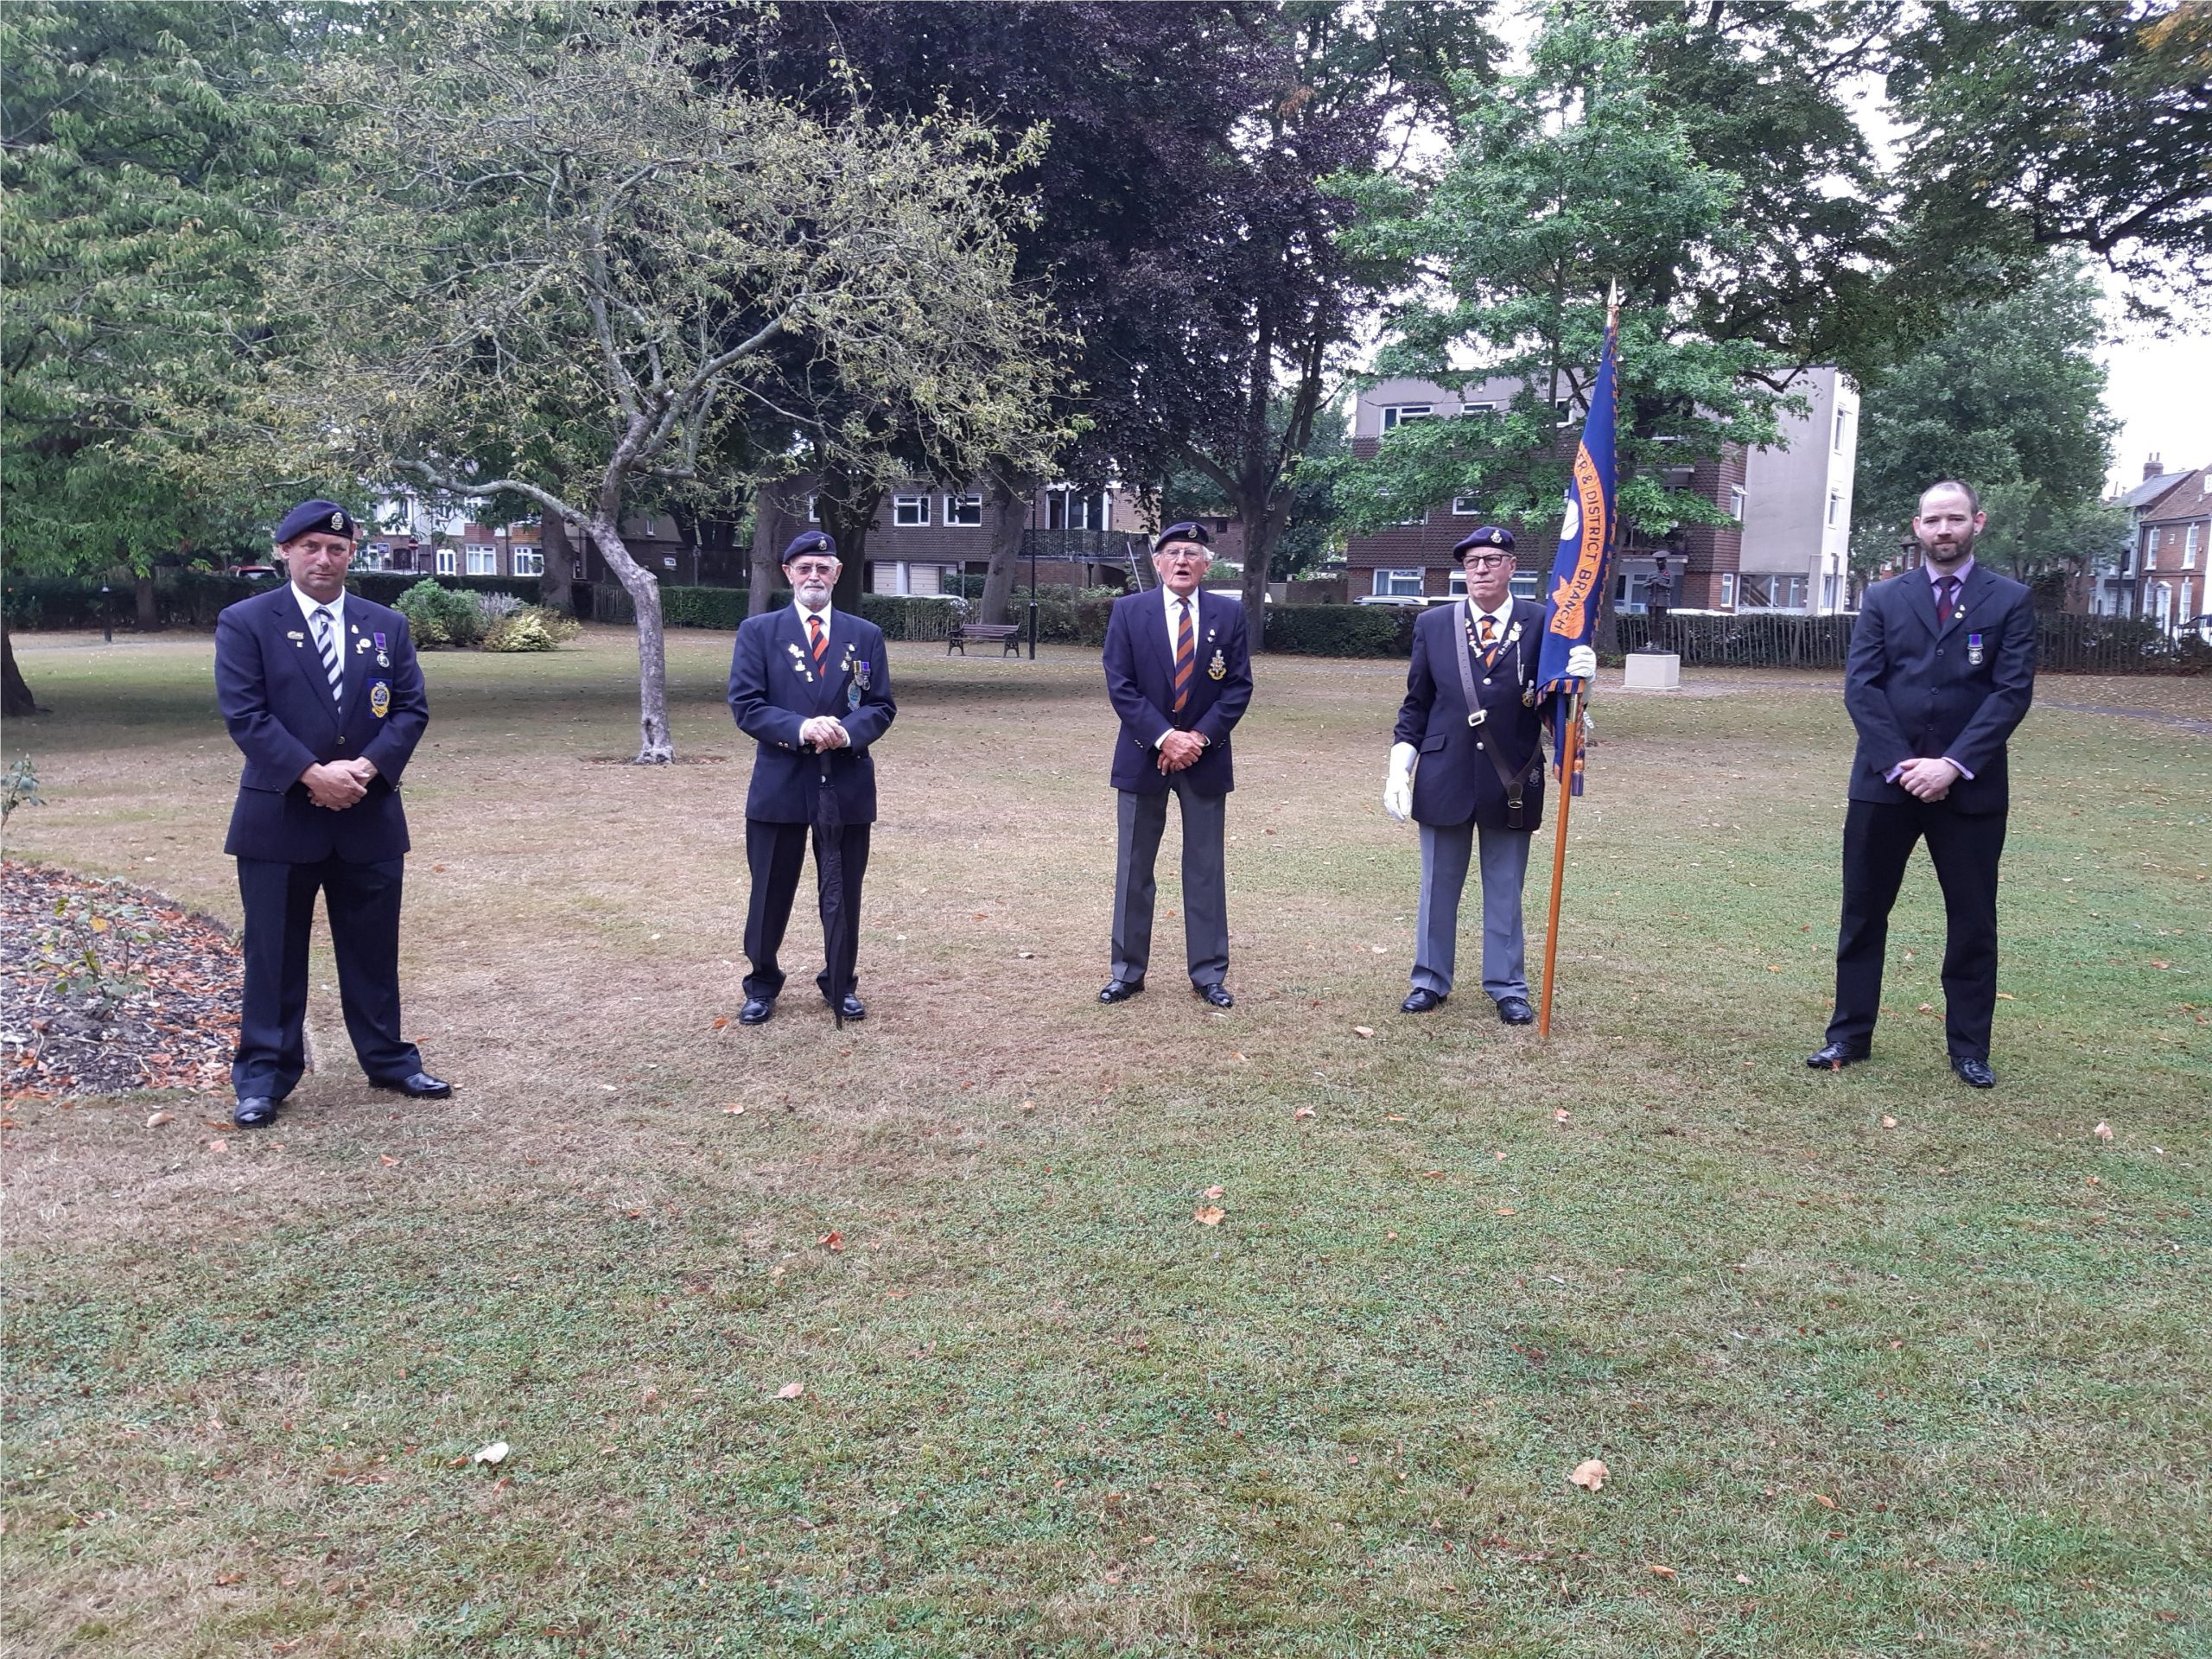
point(1030, 536)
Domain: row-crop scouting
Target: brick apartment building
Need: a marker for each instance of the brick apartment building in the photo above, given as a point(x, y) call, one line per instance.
point(2171, 551)
point(1784, 546)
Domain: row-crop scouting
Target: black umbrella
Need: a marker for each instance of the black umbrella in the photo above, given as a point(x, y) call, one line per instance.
point(829, 866)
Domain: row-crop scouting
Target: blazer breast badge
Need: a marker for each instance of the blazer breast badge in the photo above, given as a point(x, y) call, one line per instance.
point(1218, 667)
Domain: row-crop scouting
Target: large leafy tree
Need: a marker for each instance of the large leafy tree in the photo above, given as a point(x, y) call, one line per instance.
point(1564, 179)
point(2011, 399)
point(148, 154)
point(553, 261)
point(2085, 125)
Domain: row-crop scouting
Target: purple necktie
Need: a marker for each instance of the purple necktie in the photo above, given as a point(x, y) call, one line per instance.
point(1946, 590)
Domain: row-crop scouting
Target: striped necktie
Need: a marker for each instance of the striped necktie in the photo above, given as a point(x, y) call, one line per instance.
point(1489, 639)
point(333, 664)
point(1186, 656)
point(821, 638)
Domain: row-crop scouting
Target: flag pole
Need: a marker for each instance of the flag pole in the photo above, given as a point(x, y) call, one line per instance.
point(1570, 757)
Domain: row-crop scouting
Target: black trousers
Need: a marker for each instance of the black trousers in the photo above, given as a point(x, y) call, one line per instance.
point(775, 852)
point(1879, 837)
point(362, 901)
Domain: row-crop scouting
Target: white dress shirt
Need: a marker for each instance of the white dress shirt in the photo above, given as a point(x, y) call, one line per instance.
point(1501, 619)
point(335, 610)
point(1175, 602)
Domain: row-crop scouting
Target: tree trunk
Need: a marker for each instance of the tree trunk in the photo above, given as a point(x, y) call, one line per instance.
point(1006, 516)
point(777, 516)
point(149, 615)
point(1264, 514)
point(15, 699)
point(555, 588)
point(849, 523)
point(654, 747)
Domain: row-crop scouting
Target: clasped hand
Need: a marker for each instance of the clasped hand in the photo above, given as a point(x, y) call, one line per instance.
point(824, 732)
point(337, 785)
point(1928, 779)
point(1179, 750)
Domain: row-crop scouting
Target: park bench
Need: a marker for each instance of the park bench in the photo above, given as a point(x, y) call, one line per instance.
point(964, 634)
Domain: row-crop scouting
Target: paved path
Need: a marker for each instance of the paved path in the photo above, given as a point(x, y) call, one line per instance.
point(2201, 728)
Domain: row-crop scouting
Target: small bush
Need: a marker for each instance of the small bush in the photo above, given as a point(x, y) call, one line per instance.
point(530, 628)
point(439, 616)
point(1341, 629)
point(494, 608)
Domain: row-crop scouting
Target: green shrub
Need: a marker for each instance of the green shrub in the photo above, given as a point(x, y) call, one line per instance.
point(1341, 629)
point(439, 616)
point(530, 628)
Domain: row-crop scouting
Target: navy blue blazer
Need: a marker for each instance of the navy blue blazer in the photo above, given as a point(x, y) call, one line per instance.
point(1456, 781)
point(276, 700)
point(1915, 689)
point(774, 688)
point(1140, 683)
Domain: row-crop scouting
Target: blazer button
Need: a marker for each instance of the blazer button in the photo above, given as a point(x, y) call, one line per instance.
point(1478, 743)
point(1485, 679)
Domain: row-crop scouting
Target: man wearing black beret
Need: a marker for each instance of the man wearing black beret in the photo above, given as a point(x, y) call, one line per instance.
point(1179, 672)
point(1473, 722)
point(812, 686)
point(321, 691)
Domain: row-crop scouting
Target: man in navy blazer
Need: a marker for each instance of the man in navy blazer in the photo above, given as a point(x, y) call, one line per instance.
point(812, 686)
point(1943, 667)
point(1179, 672)
point(321, 691)
point(1474, 724)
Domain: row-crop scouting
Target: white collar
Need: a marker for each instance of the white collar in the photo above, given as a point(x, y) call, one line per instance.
point(1172, 599)
point(309, 606)
point(1502, 615)
point(824, 613)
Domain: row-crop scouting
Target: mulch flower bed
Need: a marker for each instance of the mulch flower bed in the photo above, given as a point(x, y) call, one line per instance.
point(154, 1006)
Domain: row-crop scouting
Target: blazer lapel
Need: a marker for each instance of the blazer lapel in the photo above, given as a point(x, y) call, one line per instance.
point(1972, 592)
point(285, 620)
point(1920, 594)
point(357, 666)
point(830, 684)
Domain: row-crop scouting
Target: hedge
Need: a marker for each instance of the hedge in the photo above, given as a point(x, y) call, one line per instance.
point(194, 597)
point(723, 608)
point(2066, 643)
point(1342, 630)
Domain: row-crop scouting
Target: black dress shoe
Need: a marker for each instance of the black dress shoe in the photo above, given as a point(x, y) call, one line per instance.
point(254, 1111)
point(1120, 990)
point(419, 1086)
point(1217, 994)
point(852, 1008)
point(756, 1010)
point(1833, 1057)
point(1975, 1074)
point(1515, 1011)
point(1420, 1000)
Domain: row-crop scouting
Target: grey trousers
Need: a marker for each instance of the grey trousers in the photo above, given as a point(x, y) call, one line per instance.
point(1445, 849)
point(1142, 819)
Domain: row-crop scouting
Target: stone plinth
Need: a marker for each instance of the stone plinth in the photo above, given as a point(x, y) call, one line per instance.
point(1653, 670)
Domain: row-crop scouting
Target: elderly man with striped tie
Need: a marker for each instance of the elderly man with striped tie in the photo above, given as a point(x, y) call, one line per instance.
point(1179, 672)
point(321, 691)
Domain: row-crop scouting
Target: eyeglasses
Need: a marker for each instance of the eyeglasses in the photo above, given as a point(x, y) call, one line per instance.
point(1485, 561)
point(814, 568)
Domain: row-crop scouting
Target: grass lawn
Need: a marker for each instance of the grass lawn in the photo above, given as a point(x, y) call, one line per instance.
point(1879, 1365)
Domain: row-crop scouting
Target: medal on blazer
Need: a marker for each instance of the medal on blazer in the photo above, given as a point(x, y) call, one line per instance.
point(1217, 668)
point(359, 644)
point(862, 673)
point(379, 698)
point(384, 657)
point(1974, 650)
point(798, 660)
point(298, 639)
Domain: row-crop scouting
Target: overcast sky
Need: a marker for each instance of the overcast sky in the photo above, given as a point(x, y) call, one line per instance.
point(2161, 390)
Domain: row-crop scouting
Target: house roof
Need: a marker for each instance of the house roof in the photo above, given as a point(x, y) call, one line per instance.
point(2188, 499)
point(2148, 492)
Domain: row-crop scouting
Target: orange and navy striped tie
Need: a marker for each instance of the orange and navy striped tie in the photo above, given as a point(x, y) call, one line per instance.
point(1185, 654)
point(820, 639)
point(1489, 639)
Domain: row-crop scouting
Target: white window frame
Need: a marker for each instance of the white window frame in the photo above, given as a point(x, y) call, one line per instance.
point(1736, 500)
point(1566, 408)
point(1727, 590)
point(1455, 583)
point(1465, 506)
point(964, 512)
point(1842, 425)
point(1386, 582)
point(2189, 548)
point(482, 560)
point(1478, 409)
point(1397, 415)
point(528, 561)
point(910, 511)
point(445, 561)
point(1523, 584)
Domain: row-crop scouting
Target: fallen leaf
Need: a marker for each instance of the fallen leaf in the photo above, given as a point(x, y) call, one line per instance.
point(790, 1391)
point(735, 1111)
point(1363, 1031)
point(1927, 1007)
point(832, 1240)
point(1743, 1578)
point(1824, 1500)
point(1213, 1192)
point(2103, 1131)
point(492, 1452)
point(1561, 1115)
point(1393, 1117)
point(1029, 1105)
point(1888, 1122)
point(1659, 1572)
point(2005, 996)
point(1590, 1474)
point(388, 1160)
point(720, 1020)
point(440, 868)
point(649, 1395)
point(218, 1146)
point(1502, 1209)
point(1210, 1215)
point(1303, 1111)
point(159, 1118)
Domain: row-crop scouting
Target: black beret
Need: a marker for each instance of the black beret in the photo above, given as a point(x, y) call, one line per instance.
point(1186, 532)
point(814, 541)
point(1488, 536)
point(325, 516)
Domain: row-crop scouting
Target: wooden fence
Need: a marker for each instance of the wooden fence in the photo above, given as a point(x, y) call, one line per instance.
point(2065, 644)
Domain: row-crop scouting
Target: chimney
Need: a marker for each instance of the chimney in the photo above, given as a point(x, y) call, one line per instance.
point(2152, 469)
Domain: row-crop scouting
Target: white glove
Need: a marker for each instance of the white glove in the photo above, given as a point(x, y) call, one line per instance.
point(1581, 662)
point(1398, 790)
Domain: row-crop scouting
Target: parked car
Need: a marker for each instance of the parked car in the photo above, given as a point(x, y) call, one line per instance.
point(254, 570)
